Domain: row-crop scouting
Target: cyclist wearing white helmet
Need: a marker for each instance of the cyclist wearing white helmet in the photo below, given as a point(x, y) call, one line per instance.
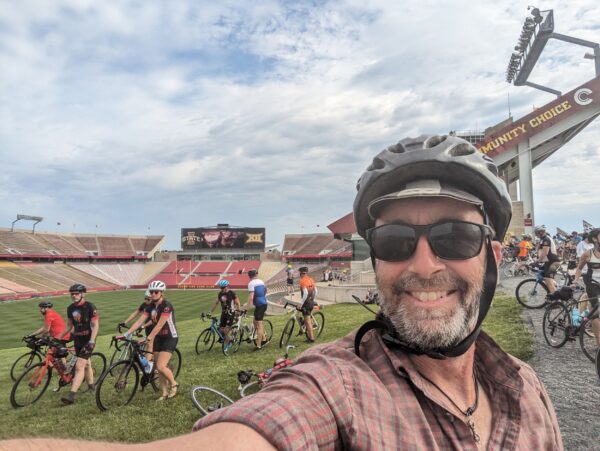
point(548, 256)
point(164, 335)
point(229, 303)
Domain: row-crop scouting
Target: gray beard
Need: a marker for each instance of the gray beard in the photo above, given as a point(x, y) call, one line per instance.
point(428, 330)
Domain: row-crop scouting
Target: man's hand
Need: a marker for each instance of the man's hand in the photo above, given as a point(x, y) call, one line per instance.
point(89, 347)
point(122, 325)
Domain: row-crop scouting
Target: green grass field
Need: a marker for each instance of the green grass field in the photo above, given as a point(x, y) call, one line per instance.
point(146, 419)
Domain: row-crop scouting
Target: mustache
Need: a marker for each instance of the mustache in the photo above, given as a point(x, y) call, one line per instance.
point(412, 282)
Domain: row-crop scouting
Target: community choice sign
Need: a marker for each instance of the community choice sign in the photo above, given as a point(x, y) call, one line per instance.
point(541, 119)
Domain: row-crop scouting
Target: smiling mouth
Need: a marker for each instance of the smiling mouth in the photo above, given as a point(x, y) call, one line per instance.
point(428, 296)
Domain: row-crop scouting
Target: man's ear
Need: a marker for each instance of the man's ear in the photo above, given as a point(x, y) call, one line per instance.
point(497, 248)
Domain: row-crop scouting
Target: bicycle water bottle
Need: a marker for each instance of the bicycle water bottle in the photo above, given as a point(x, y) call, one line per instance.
point(145, 364)
point(576, 317)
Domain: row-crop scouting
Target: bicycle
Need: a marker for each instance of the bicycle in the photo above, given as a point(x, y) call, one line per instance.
point(122, 351)
point(208, 336)
point(119, 384)
point(558, 327)
point(316, 317)
point(532, 293)
point(35, 355)
point(34, 381)
point(207, 399)
point(248, 331)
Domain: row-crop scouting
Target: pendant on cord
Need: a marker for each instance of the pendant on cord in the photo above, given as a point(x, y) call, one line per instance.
point(471, 425)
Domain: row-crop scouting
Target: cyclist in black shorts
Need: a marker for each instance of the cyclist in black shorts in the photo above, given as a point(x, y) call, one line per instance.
point(229, 303)
point(82, 318)
point(547, 255)
point(164, 334)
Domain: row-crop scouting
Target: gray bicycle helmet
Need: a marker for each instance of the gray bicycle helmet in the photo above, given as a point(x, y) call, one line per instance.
point(450, 160)
point(433, 165)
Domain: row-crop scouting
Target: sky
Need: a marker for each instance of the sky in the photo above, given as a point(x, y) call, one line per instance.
point(143, 117)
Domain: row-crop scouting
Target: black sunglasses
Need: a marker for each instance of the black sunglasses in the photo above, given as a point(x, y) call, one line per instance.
point(154, 292)
point(450, 240)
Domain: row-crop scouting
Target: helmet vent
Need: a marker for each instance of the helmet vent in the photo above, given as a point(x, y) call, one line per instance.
point(461, 150)
point(493, 169)
point(377, 163)
point(434, 141)
point(397, 148)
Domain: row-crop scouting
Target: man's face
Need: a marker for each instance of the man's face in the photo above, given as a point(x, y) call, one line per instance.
point(76, 297)
point(433, 303)
point(212, 238)
point(228, 238)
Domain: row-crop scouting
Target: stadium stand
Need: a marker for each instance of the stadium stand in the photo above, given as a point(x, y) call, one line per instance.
point(149, 271)
point(122, 274)
point(25, 243)
point(243, 266)
point(268, 269)
point(10, 287)
point(207, 267)
point(314, 246)
point(202, 281)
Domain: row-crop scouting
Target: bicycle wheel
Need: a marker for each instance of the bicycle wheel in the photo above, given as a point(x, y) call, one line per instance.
point(175, 362)
point(555, 324)
point(587, 340)
point(208, 399)
point(509, 270)
point(205, 341)
point(31, 385)
point(268, 330)
point(24, 362)
point(251, 388)
point(531, 294)
point(287, 332)
point(98, 364)
point(318, 323)
point(232, 341)
point(117, 386)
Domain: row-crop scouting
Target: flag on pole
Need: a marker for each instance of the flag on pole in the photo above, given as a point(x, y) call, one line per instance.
point(587, 226)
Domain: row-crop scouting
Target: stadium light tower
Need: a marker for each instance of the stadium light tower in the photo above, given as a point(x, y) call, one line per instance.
point(537, 31)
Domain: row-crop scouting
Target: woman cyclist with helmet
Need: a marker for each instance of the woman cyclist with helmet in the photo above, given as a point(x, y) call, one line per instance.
point(163, 335)
point(143, 322)
point(229, 304)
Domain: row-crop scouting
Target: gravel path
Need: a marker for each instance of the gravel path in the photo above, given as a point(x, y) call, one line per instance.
point(570, 380)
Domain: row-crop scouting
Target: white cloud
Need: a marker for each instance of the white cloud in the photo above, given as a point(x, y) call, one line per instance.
point(260, 114)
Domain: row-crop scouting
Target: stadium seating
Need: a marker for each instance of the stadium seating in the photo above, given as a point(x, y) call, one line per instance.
point(201, 281)
point(211, 267)
point(313, 245)
point(244, 266)
point(122, 274)
point(21, 242)
point(10, 287)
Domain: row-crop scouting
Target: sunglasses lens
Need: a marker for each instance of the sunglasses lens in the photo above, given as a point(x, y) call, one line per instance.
point(456, 240)
point(393, 242)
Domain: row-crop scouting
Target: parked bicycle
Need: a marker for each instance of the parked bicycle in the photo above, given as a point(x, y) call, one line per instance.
point(119, 384)
point(35, 355)
point(533, 293)
point(296, 316)
point(207, 399)
point(562, 322)
point(33, 382)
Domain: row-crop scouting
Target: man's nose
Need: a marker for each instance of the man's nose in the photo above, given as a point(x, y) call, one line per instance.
point(424, 262)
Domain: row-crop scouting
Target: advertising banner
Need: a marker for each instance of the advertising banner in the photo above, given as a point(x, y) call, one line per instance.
point(222, 238)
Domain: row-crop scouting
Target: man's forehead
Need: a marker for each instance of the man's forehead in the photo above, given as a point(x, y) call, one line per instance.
point(427, 210)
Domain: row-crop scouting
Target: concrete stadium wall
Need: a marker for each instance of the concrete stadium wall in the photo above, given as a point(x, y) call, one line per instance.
point(342, 294)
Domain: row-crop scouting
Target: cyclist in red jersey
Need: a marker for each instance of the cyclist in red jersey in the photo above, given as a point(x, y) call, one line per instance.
point(54, 324)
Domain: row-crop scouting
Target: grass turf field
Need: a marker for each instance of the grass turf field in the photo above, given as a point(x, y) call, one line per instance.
point(146, 419)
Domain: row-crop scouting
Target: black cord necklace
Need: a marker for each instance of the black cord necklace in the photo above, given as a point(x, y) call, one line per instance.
point(470, 409)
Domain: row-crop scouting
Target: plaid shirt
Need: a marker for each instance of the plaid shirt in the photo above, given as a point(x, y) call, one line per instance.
point(332, 399)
